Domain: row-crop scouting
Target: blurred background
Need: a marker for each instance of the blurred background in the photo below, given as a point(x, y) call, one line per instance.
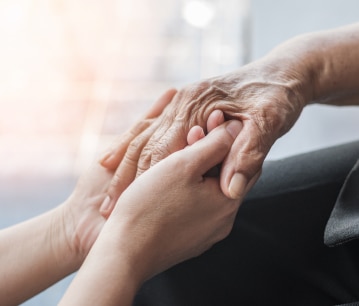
point(74, 74)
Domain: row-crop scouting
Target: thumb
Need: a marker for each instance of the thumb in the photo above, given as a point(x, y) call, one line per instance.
point(243, 164)
point(212, 149)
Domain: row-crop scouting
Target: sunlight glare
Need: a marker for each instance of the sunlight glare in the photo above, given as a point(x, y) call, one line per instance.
point(198, 13)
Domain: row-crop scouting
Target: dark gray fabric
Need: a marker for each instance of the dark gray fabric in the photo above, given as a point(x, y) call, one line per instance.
point(343, 224)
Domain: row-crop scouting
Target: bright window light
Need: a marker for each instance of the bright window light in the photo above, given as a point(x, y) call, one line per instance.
point(198, 13)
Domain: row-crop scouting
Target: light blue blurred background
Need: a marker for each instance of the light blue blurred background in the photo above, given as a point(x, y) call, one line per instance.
point(47, 177)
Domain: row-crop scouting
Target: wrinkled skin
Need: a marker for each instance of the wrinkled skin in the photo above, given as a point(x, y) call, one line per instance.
point(267, 95)
point(266, 100)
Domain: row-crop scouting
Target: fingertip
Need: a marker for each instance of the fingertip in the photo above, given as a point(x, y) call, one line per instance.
point(237, 186)
point(105, 156)
point(172, 91)
point(234, 127)
point(195, 133)
point(109, 161)
point(215, 146)
point(215, 119)
point(169, 94)
point(232, 183)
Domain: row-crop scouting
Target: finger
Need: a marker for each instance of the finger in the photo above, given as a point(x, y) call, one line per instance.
point(195, 133)
point(126, 172)
point(106, 207)
point(243, 164)
point(112, 158)
point(127, 169)
point(162, 143)
point(157, 108)
point(171, 138)
point(216, 118)
point(211, 150)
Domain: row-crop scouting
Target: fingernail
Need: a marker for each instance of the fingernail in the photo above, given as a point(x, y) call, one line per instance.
point(105, 206)
point(220, 116)
point(237, 186)
point(234, 127)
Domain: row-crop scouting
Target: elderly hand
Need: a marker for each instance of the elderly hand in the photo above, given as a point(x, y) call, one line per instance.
point(265, 98)
point(267, 95)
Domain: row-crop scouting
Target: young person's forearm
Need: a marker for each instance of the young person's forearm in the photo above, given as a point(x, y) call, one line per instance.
point(106, 277)
point(33, 256)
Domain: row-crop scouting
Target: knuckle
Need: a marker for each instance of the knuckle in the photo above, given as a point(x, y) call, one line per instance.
point(115, 182)
point(129, 161)
point(160, 151)
point(172, 141)
point(159, 154)
point(247, 160)
point(134, 146)
point(144, 161)
point(140, 171)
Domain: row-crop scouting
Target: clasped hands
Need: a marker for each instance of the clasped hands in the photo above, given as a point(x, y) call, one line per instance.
point(267, 103)
point(174, 202)
point(156, 193)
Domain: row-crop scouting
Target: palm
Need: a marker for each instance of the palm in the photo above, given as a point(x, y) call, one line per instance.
point(84, 208)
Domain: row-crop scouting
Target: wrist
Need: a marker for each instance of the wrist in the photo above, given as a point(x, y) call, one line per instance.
point(295, 67)
point(66, 250)
point(126, 249)
point(112, 258)
point(274, 87)
point(325, 64)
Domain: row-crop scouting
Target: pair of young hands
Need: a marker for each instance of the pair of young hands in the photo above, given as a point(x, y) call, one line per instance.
point(170, 213)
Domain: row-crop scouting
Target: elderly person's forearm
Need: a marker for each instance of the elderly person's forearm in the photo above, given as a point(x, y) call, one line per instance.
point(327, 60)
point(267, 95)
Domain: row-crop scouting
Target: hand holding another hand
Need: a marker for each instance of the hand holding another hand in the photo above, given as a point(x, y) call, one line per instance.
point(171, 213)
point(262, 96)
point(84, 213)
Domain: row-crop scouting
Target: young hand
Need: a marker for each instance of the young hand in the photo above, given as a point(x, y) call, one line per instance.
point(169, 214)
